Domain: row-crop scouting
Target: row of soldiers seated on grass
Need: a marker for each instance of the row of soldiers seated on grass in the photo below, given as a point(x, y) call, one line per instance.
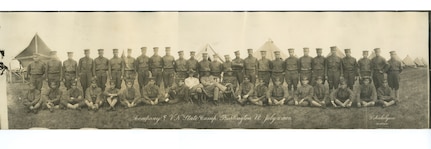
point(167, 69)
point(209, 90)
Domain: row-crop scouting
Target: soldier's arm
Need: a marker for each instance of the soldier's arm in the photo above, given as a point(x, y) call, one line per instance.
point(46, 69)
point(79, 66)
point(93, 68)
point(63, 69)
point(109, 70)
point(325, 66)
point(123, 65)
point(341, 67)
point(57, 98)
point(356, 68)
point(37, 97)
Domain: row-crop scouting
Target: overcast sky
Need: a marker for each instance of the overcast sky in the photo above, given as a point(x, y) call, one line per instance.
point(404, 32)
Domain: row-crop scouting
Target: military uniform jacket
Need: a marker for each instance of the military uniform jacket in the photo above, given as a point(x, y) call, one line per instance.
point(85, 65)
point(192, 64)
point(333, 62)
point(111, 91)
point(92, 94)
point(378, 63)
point(237, 64)
point(264, 65)
point(342, 94)
point(216, 66)
point(115, 64)
point(150, 91)
point(180, 65)
point(168, 62)
point(204, 65)
point(305, 63)
point(129, 63)
point(246, 88)
point(32, 95)
point(292, 64)
point(100, 64)
point(349, 64)
point(143, 63)
point(36, 68)
point(227, 65)
point(250, 63)
point(75, 93)
point(277, 92)
point(229, 79)
point(129, 94)
point(53, 95)
point(364, 64)
point(155, 62)
point(395, 65)
point(305, 91)
point(278, 65)
point(320, 91)
point(54, 66)
point(318, 63)
point(367, 92)
point(70, 66)
point(384, 92)
point(260, 91)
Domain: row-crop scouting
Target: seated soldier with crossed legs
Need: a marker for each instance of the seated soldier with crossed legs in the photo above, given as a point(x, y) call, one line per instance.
point(342, 96)
point(259, 93)
point(93, 98)
point(304, 94)
point(129, 97)
point(74, 98)
point(321, 93)
point(245, 91)
point(277, 94)
point(151, 93)
point(384, 95)
point(367, 93)
point(32, 99)
point(53, 96)
point(111, 95)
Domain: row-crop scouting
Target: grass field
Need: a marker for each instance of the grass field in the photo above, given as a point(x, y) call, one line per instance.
point(411, 112)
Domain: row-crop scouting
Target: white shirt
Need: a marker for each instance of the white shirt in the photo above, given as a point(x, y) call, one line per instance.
point(191, 81)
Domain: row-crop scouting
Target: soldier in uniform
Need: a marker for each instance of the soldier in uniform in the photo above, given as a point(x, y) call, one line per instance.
point(52, 97)
point(384, 95)
point(229, 80)
point(394, 70)
point(180, 68)
point(333, 69)
point(192, 64)
point(111, 95)
point(36, 71)
point(379, 66)
point(277, 94)
point(227, 64)
point(93, 98)
point(32, 99)
point(260, 93)
point(364, 65)
point(151, 93)
point(292, 70)
point(204, 65)
point(85, 69)
point(129, 97)
point(318, 67)
point(342, 96)
point(178, 93)
point(210, 87)
point(244, 92)
point(264, 68)
point(366, 94)
point(74, 98)
point(129, 68)
point(70, 70)
point(305, 65)
point(238, 67)
point(216, 67)
point(350, 67)
point(53, 68)
point(100, 69)
point(168, 62)
point(143, 68)
point(192, 83)
point(304, 95)
point(156, 65)
point(321, 93)
point(278, 66)
point(250, 66)
point(115, 69)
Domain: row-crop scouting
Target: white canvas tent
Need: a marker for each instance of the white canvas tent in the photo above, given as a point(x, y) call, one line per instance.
point(270, 47)
point(408, 61)
point(419, 63)
point(208, 49)
point(424, 62)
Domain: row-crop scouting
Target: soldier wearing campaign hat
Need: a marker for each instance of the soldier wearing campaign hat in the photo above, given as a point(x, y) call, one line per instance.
point(292, 70)
point(156, 65)
point(70, 70)
point(333, 69)
point(115, 69)
point(238, 67)
point(36, 71)
point(151, 93)
point(143, 68)
point(367, 93)
point(168, 62)
point(53, 68)
point(129, 96)
point(85, 69)
point(93, 97)
point(264, 68)
point(278, 66)
point(379, 66)
point(180, 67)
point(250, 66)
point(100, 69)
point(129, 68)
point(342, 96)
point(204, 65)
point(74, 98)
point(318, 67)
point(111, 95)
point(364, 66)
point(394, 70)
point(350, 68)
point(192, 64)
point(305, 64)
point(216, 67)
point(227, 64)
